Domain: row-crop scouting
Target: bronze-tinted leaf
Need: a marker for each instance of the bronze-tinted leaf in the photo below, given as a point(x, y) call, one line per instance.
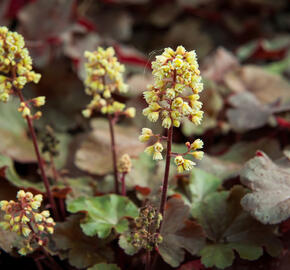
point(269, 201)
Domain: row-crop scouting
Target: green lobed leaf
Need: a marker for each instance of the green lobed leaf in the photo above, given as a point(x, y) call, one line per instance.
point(104, 213)
point(229, 229)
point(199, 186)
point(218, 255)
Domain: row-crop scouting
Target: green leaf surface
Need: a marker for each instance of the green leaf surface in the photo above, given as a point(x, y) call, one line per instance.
point(199, 186)
point(11, 175)
point(104, 213)
point(230, 228)
point(218, 255)
point(104, 266)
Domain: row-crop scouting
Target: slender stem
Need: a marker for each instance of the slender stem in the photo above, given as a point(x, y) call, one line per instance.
point(114, 155)
point(148, 260)
point(123, 184)
point(166, 174)
point(40, 160)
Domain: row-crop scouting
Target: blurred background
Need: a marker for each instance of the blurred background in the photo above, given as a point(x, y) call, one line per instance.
point(243, 48)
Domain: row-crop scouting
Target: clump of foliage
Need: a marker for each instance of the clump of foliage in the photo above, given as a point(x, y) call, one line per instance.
point(189, 217)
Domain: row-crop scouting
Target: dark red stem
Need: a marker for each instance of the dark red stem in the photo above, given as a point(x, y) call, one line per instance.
point(123, 184)
point(166, 174)
point(148, 260)
point(40, 161)
point(114, 155)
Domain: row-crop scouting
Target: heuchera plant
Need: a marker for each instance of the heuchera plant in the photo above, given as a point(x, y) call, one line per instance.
point(173, 96)
point(24, 218)
point(220, 227)
point(104, 78)
point(16, 72)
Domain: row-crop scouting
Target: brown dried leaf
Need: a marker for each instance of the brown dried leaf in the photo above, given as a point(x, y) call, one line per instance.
point(267, 87)
point(94, 154)
point(83, 251)
point(248, 113)
point(230, 163)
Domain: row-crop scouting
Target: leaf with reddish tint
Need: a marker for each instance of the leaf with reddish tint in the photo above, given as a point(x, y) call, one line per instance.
point(216, 65)
point(143, 190)
point(179, 234)
point(229, 228)
point(192, 265)
point(51, 13)
point(269, 201)
point(82, 251)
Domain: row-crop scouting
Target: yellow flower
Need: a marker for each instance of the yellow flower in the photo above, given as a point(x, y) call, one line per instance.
point(145, 135)
point(197, 144)
point(166, 123)
point(198, 154)
point(183, 164)
point(38, 101)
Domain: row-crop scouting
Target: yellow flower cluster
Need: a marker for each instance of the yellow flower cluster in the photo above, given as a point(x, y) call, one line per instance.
point(104, 76)
point(173, 96)
point(23, 218)
point(176, 88)
point(15, 64)
point(186, 164)
point(124, 164)
point(24, 107)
